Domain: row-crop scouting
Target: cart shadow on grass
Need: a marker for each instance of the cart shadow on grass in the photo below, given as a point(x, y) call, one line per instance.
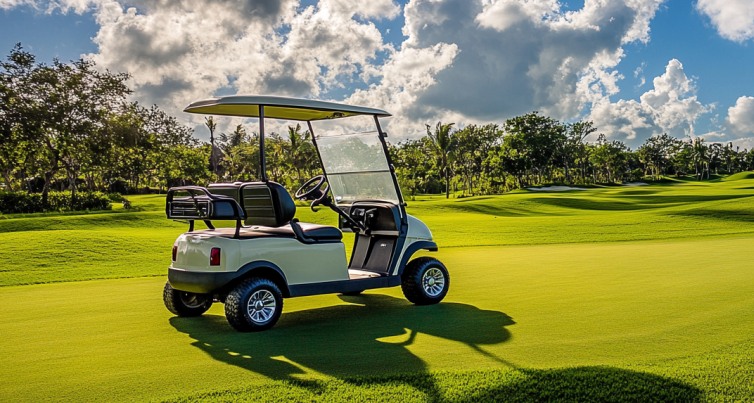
point(368, 337)
point(368, 341)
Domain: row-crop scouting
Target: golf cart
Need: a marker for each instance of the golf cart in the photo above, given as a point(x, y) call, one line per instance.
point(268, 254)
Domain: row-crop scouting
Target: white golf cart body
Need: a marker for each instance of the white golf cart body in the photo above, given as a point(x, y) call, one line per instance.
point(267, 242)
point(316, 268)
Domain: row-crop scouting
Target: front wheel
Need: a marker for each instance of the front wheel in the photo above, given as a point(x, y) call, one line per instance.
point(254, 305)
point(184, 303)
point(425, 281)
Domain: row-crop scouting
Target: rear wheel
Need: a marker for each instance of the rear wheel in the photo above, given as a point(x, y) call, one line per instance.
point(425, 281)
point(184, 303)
point(254, 305)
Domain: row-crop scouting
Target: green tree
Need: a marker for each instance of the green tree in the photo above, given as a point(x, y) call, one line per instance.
point(443, 145)
point(543, 139)
point(231, 145)
point(575, 151)
point(611, 157)
point(699, 152)
point(657, 152)
point(214, 154)
point(474, 143)
point(61, 105)
point(413, 168)
point(300, 152)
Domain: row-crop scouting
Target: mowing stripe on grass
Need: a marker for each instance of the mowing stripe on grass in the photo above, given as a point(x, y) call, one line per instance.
point(541, 309)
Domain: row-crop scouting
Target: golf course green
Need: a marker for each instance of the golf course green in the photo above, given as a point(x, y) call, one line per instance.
point(620, 293)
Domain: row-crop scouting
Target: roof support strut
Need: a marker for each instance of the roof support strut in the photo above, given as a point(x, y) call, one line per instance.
point(262, 165)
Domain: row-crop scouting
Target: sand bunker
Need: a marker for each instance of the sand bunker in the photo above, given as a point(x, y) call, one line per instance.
point(569, 188)
point(554, 189)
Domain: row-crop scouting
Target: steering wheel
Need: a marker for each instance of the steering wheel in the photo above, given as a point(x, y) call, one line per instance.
point(312, 190)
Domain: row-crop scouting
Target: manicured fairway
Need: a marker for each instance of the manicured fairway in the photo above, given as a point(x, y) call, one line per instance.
point(550, 311)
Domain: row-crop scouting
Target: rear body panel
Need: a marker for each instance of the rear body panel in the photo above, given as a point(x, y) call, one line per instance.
point(302, 264)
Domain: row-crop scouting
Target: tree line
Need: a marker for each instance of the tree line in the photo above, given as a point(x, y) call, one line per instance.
point(535, 150)
point(71, 126)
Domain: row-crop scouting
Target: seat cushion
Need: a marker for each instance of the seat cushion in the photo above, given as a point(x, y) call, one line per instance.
point(319, 232)
point(316, 232)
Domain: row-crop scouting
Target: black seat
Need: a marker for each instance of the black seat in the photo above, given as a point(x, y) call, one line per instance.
point(270, 210)
point(319, 233)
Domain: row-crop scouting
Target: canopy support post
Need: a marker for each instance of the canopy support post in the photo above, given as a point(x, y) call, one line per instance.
point(262, 165)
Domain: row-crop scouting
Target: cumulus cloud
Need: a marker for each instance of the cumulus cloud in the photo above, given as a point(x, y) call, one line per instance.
point(515, 56)
point(465, 61)
point(78, 6)
point(9, 4)
point(404, 76)
point(740, 119)
point(366, 9)
point(733, 19)
point(181, 51)
point(671, 106)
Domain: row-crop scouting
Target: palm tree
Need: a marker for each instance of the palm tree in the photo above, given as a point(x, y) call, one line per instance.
point(700, 157)
point(230, 145)
point(443, 143)
point(211, 125)
point(297, 153)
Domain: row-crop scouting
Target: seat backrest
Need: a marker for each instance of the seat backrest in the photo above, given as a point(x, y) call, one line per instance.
point(226, 189)
point(266, 203)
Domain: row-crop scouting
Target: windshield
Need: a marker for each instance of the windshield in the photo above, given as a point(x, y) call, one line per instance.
point(357, 168)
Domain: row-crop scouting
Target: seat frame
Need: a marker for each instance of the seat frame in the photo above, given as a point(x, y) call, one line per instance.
point(271, 209)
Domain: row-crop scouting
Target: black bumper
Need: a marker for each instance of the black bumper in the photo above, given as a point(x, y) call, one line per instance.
point(199, 282)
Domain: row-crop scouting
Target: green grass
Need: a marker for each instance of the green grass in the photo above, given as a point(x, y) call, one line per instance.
point(608, 294)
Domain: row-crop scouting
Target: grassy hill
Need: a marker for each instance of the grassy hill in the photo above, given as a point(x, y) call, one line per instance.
point(616, 293)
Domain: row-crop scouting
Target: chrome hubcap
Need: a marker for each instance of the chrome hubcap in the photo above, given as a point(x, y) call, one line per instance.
point(433, 282)
point(261, 306)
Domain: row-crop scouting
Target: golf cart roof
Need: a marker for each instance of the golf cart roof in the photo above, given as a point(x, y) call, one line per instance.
point(279, 108)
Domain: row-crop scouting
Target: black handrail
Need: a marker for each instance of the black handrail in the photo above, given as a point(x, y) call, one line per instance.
point(198, 194)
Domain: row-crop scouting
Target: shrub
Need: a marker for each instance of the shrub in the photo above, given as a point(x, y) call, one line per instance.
point(24, 202)
point(91, 201)
point(116, 197)
point(119, 186)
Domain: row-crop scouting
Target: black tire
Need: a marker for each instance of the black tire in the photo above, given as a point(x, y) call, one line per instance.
point(254, 305)
point(184, 303)
point(425, 281)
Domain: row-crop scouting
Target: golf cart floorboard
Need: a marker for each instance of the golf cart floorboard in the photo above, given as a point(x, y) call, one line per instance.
point(365, 281)
point(355, 274)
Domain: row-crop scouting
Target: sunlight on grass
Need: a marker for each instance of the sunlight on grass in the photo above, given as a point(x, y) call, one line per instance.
point(605, 294)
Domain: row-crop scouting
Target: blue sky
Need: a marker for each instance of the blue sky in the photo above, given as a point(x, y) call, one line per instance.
point(636, 68)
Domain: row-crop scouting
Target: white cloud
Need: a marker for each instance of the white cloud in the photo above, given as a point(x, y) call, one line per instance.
point(63, 6)
point(741, 116)
point(746, 143)
point(463, 61)
point(504, 14)
point(672, 99)
point(380, 9)
point(9, 4)
point(515, 56)
point(639, 75)
point(407, 73)
point(475, 61)
point(733, 19)
point(669, 107)
point(179, 51)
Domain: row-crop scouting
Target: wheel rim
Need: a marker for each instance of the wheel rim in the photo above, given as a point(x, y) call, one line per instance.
point(191, 300)
point(261, 306)
point(433, 282)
